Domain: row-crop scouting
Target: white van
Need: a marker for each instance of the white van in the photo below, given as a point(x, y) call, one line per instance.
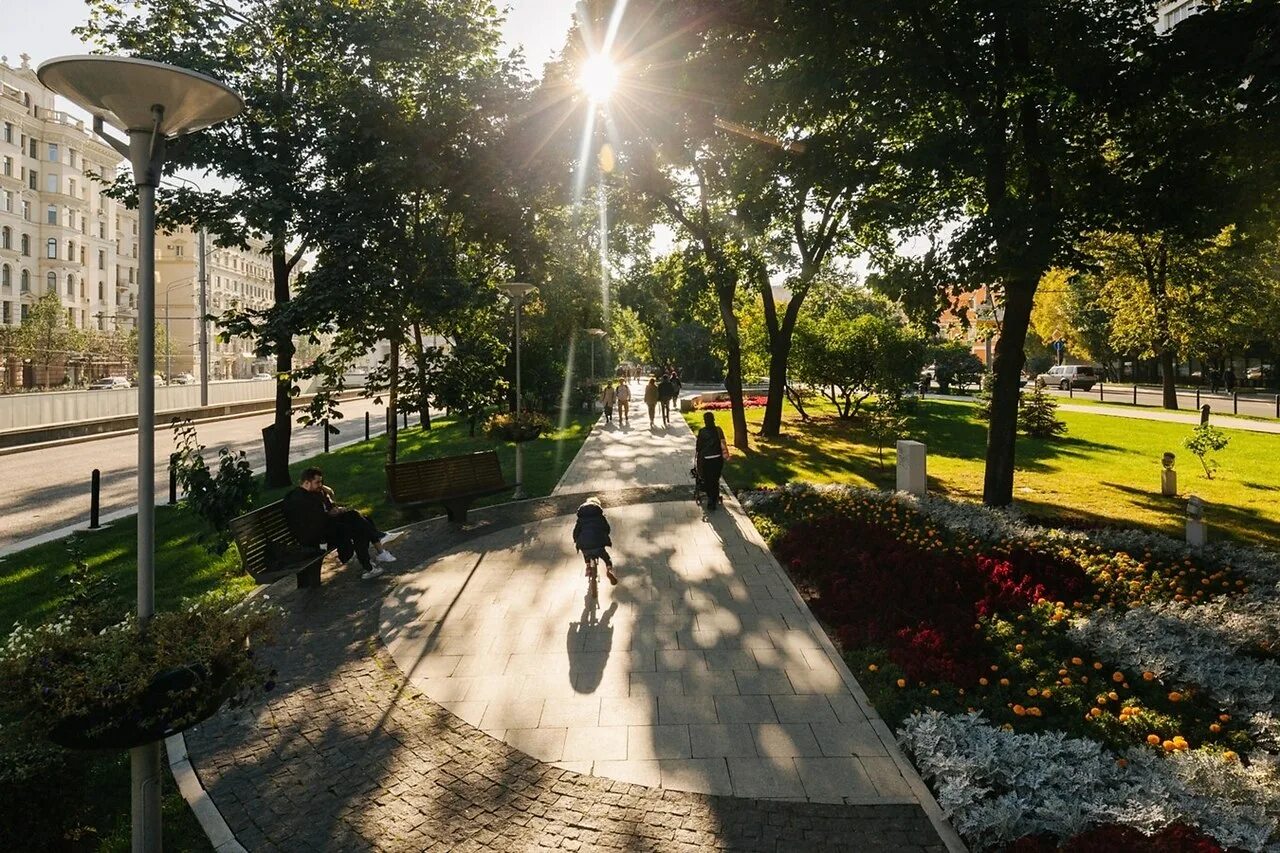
point(1064, 376)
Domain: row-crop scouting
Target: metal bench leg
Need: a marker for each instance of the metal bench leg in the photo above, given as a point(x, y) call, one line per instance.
point(310, 576)
point(457, 511)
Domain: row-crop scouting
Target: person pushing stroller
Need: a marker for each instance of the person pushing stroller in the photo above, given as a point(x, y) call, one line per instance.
point(591, 536)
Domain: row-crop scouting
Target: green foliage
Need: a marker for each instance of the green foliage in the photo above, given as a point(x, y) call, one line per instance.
point(1206, 439)
point(90, 591)
point(517, 427)
point(628, 337)
point(885, 423)
point(1038, 414)
point(216, 498)
point(955, 364)
point(849, 359)
point(983, 398)
point(470, 377)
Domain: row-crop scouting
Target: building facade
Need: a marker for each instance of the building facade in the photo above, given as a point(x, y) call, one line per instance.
point(235, 278)
point(59, 232)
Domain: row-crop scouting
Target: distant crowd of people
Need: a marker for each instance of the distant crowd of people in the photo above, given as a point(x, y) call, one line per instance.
point(662, 389)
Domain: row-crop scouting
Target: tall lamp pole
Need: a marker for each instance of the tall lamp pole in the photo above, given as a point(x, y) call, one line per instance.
point(517, 291)
point(152, 103)
point(595, 333)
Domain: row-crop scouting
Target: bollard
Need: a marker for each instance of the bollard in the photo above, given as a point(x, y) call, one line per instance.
point(95, 486)
point(173, 479)
point(1168, 476)
point(1135, 394)
point(325, 425)
point(1100, 392)
point(1278, 405)
point(1197, 396)
point(366, 426)
point(405, 416)
point(1071, 390)
point(912, 476)
point(1235, 402)
point(1197, 531)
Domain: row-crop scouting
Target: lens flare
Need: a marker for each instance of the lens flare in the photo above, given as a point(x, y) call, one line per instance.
point(599, 78)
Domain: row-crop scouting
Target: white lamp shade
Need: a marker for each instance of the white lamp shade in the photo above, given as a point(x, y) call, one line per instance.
point(122, 92)
point(517, 289)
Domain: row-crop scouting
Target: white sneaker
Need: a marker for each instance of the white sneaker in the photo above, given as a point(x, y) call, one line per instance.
point(390, 537)
point(385, 556)
point(376, 571)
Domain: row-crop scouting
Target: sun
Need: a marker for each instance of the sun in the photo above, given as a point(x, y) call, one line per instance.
point(599, 78)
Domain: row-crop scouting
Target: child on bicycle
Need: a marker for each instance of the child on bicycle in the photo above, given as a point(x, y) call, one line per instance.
point(591, 535)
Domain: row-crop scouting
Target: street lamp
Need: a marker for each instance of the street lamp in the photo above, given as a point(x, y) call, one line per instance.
point(517, 291)
point(152, 103)
point(595, 333)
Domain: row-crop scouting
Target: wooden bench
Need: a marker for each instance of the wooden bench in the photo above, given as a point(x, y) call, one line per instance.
point(269, 550)
point(452, 481)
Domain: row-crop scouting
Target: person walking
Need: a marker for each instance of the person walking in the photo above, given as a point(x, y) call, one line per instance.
point(623, 398)
point(1229, 379)
point(665, 393)
point(314, 518)
point(608, 396)
point(1213, 380)
point(711, 451)
point(651, 397)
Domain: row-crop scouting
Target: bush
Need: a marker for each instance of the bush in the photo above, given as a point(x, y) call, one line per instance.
point(217, 499)
point(524, 426)
point(1203, 440)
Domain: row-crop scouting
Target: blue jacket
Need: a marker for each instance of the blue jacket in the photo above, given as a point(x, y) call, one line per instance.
point(592, 529)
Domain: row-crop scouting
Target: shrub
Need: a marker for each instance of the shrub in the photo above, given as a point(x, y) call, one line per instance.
point(216, 498)
point(1203, 440)
point(517, 427)
point(1038, 414)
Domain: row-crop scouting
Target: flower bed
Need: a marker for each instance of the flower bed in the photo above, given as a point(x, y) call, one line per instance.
point(1083, 688)
point(725, 405)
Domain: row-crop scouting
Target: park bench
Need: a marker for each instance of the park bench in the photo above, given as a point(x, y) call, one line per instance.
point(269, 550)
point(451, 481)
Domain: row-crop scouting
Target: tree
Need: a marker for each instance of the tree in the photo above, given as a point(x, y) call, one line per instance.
point(955, 363)
point(44, 337)
point(629, 337)
point(1002, 117)
point(848, 359)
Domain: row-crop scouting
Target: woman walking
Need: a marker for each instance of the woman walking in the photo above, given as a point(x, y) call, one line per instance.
point(709, 455)
point(651, 398)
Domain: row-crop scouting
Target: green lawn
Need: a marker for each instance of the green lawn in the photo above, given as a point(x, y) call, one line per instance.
point(1105, 470)
point(95, 790)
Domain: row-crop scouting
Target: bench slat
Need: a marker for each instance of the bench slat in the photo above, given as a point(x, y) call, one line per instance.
point(258, 533)
point(450, 480)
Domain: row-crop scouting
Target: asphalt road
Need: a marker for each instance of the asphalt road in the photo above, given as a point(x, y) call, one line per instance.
point(1260, 405)
point(47, 489)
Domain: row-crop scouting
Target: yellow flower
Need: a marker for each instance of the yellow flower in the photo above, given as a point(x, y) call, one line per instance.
point(902, 682)
point(872, 668)
point(1019, 710)
point(1154, 740)
point(1175, 696)
point(1117, 677)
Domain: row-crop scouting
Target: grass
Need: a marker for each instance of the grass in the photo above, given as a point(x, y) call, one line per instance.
point(31, 585)
point(1105, 470)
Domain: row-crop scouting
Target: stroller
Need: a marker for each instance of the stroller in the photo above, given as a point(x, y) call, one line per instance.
point(699, 487)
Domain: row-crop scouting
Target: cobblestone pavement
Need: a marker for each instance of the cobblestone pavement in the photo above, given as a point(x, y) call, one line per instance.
point(348, 754)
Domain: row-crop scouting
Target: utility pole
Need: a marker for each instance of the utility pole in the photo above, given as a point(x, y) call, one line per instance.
point(204, 324)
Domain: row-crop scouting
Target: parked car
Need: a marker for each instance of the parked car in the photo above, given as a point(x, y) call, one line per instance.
point(156, 377)
point(1064, 376)
point(263, 377)
point(109, 383)
point(1258, 373)
point(182, 379)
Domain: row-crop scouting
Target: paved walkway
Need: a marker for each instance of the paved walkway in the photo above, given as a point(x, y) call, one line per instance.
point(697, 706)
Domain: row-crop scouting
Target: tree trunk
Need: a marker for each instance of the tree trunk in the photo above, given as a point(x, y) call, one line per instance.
point(277, 463)
point(424, 404)
point(393, 428)
point(1168, 381)
point(1002, 436)
point(733, 367)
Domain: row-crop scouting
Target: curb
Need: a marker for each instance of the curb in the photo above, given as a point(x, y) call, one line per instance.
point(202, 805)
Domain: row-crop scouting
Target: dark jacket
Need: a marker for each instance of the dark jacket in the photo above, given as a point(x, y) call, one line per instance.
point(665, 389)
point(591, 529)
point(709, 443)
point(304, 512)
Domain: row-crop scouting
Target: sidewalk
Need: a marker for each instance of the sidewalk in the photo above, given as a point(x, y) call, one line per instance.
point(698, 705)
point(1191, 418)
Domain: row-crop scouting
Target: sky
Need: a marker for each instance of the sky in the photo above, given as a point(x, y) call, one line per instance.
point(42, 29)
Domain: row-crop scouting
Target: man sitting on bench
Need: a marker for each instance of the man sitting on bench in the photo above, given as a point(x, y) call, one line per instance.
point(313, 518)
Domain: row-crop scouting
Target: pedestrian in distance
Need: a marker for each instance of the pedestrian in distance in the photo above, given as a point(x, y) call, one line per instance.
point(623, 397)
point(711, 451)
point(1213, 380)
point(651, 397)
point(1229, 379)
point(591, 535)
point(607, 397)
point(665, 392)
point(314, 517)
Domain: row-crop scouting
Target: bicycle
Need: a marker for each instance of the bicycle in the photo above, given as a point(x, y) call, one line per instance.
point(593, 579)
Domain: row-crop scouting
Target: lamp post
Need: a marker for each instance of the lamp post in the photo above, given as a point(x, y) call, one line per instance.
point(152, 103)
point(595, 333)
point(517, 291)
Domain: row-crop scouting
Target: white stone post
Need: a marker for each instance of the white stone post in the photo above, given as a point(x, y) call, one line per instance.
point(912, 476)
point(1197, 531)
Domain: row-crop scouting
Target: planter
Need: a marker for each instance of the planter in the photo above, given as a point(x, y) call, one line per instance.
point(175, 700)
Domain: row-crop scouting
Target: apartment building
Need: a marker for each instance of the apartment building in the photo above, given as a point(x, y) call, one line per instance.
point(1173, 12)
point(236, 278)
point(59, 232)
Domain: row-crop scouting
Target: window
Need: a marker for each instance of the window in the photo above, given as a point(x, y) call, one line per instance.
point(82, 293)
point(6, 277)
point(8, 166)
point(71, 317)
point(102, 259)
point(74, 157)
point(51, 214)
point(51, 249)
point(8, 314)
point(31, 149)
point(33, 180)
point(102, 292)
point(8, 132)
point(6, 201)
point(26, 210)
point(177, 251)
point(25, 282)
point(51, 183)
point(26, 309)
point(71, 186)
point(71, 250)
point(6, 238)
point(53, 152)
point(71, 285)
point(51, 283)
point(26, 245)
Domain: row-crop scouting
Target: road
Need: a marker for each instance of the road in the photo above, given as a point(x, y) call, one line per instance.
point(1259, 405)
point(48, 488)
